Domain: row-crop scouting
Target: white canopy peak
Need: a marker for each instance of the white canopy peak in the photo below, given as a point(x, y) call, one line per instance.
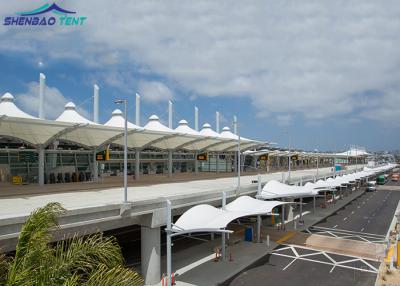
point(206, 126)
point(70, 106)
point(116, 112)
point(154, 118)
point(7, 97)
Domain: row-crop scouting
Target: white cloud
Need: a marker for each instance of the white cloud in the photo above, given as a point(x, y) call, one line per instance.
point(309, 58)
point(154, 91)
point(284, 119)
point(53, 105)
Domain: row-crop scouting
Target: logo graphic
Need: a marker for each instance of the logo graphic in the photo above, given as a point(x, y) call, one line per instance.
point(38, 17)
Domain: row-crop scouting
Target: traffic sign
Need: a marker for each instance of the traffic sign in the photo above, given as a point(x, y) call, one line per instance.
point(202, 157)
point(103, 155)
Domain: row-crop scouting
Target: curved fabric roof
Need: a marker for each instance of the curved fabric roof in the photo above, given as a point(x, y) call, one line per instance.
point(118, 120)
point(252, 205)
point(353, 153)
point(8, 107)
point(206, 218)
point(274, 189)
point(71, 115)
point(72, 126)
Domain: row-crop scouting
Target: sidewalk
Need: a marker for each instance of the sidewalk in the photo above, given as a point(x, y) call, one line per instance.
point(22, 205)
point(196, 265)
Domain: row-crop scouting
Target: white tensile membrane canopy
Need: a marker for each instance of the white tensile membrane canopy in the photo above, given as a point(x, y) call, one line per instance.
point(73, 127)
point(200, 142)
point(274, 189)
point(70, 114)
point(117, 120)
point(206, 218)
point(8, 107)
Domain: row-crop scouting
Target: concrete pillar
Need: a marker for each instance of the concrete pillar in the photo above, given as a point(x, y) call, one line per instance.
point(137, 164)
point(169, 163)
point(235, 161)
point(196, 163)
point(41, 166)
point(217, 163)
point(290, 214)
point(151, 255)
point(95, 167)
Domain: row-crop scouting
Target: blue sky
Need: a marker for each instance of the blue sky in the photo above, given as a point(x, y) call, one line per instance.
point(280, 67)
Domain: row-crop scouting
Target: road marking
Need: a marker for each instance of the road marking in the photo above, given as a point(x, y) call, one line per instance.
point(369, 268)
point(194, 264)
point(362, 229)
point(335, 226)
point(285, 237)
point(349, 231)
point(345, 218)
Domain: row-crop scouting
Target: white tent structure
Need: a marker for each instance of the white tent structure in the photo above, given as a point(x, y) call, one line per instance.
point(117, 120)
point(70, 114)
point(206, 218)
point(277, 190)
point(8, 107)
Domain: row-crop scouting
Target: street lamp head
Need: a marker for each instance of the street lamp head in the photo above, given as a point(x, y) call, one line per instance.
point(119, 101)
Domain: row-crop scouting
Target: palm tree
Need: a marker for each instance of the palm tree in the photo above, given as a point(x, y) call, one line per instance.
point(92, 260)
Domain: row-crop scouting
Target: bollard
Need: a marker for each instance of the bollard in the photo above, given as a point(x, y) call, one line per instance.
point(268, 240)
point(163, 280)
point(173, 278)
point(295, 226)
point(230, 257)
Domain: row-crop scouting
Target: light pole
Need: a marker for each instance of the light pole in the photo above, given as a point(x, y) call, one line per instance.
point(125, 102)
point(316, 151)
point(289, 159)
point(238, 134)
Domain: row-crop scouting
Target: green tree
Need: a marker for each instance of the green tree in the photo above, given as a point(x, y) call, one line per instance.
point(92, 260)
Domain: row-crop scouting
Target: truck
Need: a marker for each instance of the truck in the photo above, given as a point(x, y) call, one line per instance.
point(381, 180)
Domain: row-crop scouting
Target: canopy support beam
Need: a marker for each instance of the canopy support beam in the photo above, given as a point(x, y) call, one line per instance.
point(116, 137)
point(158, 140)
point(63, 132)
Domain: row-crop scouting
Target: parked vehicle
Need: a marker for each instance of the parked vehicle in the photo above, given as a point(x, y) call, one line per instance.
point(381, 180)
point(395, 177)
point(371, 187)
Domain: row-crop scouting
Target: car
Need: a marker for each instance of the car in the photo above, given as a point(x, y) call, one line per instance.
point(371, 186)
point(395, 177)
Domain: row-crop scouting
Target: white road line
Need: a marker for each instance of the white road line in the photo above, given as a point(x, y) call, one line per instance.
point(194, 264)
point(349, 231)
point(321, 262)
point(290, 263)
point(335, 226)
point(362, 229)
point(345, 218)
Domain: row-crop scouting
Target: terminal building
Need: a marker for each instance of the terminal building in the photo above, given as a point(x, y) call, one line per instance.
point(38, 150)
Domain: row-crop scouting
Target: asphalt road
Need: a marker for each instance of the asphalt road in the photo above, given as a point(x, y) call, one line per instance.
point(371, 213)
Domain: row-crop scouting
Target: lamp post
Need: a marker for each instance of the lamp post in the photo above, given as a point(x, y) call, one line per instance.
point(238, 134)
point(125, 102)
point(289, 159)
point(316, 151)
